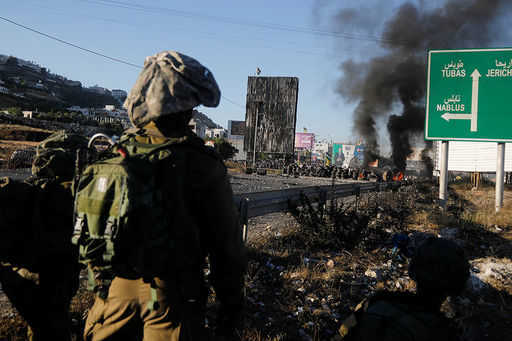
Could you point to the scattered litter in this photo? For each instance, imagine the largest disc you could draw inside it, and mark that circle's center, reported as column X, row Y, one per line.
column 491, row 271
column 370, row 273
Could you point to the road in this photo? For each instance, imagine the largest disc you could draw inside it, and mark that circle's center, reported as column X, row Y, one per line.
column 241, row 183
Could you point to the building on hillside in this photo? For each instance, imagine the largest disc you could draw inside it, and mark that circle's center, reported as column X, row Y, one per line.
column 216, row 133
column 72, row 83
column 4, row 90
column 197, row 127
column 27, row 114
column 16, row 79
column 121, row 113
column 99, row 90
column 29, row 65
column 110, row 107
column 40, row 86
column 83, row 111
column 119, row 94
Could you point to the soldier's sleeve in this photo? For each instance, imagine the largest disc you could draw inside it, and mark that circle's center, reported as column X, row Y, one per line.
column 222, row 234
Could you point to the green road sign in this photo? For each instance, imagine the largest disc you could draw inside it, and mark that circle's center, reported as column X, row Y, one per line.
column 469, row 95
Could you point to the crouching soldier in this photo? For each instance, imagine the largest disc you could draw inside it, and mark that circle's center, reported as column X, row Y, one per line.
column 38, row 264
column 440, row 270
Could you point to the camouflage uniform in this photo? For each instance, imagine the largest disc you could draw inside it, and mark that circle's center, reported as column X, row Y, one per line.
column 394, row 316
column 42, row 291
column 440, row 270
column 39, row 268
column 206, row 210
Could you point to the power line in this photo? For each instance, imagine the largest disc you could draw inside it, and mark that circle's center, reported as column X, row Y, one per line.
column 232, row 102
column 266, row 25
column 70, row 44
column 210, row 35
column 90, row 51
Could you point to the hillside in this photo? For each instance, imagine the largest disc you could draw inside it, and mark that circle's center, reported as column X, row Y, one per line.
column 29, row 86
column 202, row 118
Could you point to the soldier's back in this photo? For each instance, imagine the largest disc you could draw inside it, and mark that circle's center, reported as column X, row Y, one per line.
column 396, row 317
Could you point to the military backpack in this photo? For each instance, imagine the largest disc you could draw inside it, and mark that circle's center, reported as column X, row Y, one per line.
column 122, row 212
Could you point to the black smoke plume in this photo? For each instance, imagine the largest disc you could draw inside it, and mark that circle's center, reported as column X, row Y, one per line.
column 396, row 82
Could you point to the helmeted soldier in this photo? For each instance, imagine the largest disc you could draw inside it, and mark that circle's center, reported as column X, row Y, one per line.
column 160, row 106
column 440, row 269
column 38, row 263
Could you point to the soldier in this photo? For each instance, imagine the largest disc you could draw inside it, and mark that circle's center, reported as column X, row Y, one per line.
column 440, row 270
column 38, row 264
column 160, row 107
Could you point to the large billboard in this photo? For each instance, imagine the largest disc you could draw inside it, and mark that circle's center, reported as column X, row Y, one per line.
column 271, row 112
column 347, row 155
column 304, row 141
column 337, row 154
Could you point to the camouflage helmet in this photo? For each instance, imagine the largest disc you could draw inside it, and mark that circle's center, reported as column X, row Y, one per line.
column 439, row 265
column 56, row 155
column 170, row 83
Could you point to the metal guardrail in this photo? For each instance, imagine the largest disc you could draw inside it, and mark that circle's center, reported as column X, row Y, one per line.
column 261, row 203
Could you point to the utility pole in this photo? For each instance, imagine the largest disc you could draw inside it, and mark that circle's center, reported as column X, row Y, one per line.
column 255, row 136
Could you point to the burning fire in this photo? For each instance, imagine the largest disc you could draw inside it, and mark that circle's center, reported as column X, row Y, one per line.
column 398, row 176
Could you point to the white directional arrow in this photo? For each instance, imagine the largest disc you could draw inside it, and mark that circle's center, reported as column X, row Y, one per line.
column 474, row 105
column 448, row 116
column 474, row 99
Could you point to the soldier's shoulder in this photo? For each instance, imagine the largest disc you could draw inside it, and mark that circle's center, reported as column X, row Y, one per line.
column 198, row 143
column 200, row 154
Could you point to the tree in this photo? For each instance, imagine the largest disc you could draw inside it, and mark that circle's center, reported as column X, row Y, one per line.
column 16, row 111
column 224, row 148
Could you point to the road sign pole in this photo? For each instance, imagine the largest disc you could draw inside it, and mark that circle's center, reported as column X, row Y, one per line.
column 500, row 172
column 443, row 181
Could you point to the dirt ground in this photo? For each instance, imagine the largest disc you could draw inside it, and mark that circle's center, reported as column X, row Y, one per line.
column 296, row 290
column 302, row 279
column 14, row 137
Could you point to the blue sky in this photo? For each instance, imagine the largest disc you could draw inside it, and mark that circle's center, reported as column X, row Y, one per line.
column 232, row 38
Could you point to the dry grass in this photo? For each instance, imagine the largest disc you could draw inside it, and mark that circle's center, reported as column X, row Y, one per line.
column 296, row 290
column 14, row 137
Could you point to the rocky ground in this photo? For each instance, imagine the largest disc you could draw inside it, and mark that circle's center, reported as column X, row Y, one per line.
column 306, row 274
column 301, row 284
